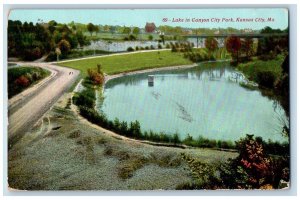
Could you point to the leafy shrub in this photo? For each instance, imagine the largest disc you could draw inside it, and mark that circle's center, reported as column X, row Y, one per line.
column 96, row 77
column 132, row 37
column 159, row 46
column 253, row 168
column 136, row 48
column 20, row 78
column 85, row 98
column 22, row 81
column 266, row 78
column 152, row 47
column 130, row 49
column 146, row 48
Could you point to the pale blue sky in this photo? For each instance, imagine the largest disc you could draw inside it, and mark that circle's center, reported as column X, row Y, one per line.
column 138, row 17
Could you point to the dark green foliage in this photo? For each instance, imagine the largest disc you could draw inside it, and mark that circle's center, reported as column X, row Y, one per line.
column 85, row 98
column 130, row 49
column 132, row 37
column 266, row 79
column 269, row 47
column 30, row 41
column 19, row 78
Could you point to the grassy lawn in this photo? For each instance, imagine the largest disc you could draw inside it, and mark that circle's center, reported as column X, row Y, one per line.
column 251, row 69
column 130, row 62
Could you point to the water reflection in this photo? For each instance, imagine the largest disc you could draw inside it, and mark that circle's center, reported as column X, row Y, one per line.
column 205, row 100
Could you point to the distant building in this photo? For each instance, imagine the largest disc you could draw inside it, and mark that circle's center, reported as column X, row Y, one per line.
column 150, row 27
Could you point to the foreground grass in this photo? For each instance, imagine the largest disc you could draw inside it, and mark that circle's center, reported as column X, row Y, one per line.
column 129, row 62
column 252, row 68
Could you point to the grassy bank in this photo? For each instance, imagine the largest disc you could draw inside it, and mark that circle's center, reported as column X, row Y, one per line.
column 256, row 69
column 20, row 78
column 129, row 62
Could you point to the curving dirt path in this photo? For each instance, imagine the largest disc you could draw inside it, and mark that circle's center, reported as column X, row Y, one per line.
column 28, row 109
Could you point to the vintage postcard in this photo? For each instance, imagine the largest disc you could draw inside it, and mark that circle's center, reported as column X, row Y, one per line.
column 148, row 99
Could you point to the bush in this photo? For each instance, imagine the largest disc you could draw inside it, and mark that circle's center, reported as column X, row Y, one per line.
column 159, row 46
column 96, row 77
column 146, row 48
column 152, row 47
column 174, row 49
column 85, row 98
column 132, row 37
column 266, row 78
column 253, row 168
column 136, row 48
column 22, row 81
column 130, row 49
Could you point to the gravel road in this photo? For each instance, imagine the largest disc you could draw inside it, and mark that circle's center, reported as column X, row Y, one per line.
column 30, row 108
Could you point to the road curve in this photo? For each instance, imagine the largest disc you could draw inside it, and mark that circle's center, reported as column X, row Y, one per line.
column 32, row 107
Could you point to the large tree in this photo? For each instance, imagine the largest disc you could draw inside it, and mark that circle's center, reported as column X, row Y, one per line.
column 247, row 47
column 211, row 44
column 136, row 30
column 233, row 46
column 90, row 27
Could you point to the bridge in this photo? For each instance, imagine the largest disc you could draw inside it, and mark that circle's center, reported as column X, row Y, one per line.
column 199, row 39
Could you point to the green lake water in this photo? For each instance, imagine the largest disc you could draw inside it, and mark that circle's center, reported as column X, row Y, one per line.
column 206, row 100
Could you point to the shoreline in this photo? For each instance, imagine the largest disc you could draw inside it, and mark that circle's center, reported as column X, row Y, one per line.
column 110, row 77
column 166, row 68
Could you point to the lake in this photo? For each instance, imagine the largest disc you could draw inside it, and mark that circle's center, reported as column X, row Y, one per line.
column 206, row 100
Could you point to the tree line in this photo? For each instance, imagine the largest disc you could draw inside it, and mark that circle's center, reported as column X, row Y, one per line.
column 30, row 41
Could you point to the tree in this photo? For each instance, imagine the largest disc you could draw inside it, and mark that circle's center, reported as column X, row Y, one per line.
column 136, row 30
column 95, row 77
column 162, row 37
column 126, row 30
column 247, row 47
column 211, row 44
column 96, row 29
column 64, row 46
column 90, row 27
column 150, row 37
column 82, row 40
column 150, row 27
column 233, row 45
